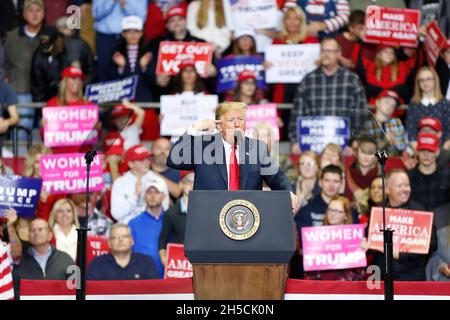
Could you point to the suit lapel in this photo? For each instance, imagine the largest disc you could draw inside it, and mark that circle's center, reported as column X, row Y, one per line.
column 222, row 166
column 243, row 161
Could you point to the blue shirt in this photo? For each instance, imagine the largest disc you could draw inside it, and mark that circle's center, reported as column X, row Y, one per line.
column 105, row 267
column 41, row 260
column 108, row 14
column 8, row 96
column 146, row 230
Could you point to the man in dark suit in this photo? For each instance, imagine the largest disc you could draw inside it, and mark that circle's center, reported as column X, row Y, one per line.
column 212, row 148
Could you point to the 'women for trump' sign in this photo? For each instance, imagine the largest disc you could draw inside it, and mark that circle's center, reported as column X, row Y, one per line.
column 66, row 173
column 333, row 247
column 70, row 126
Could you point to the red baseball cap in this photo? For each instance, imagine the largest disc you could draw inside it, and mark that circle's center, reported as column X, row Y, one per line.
column 72, row 72
column 137, row 152
column 246, row 74
column 175, row 11
column 389, row 94
column 427, row 141
column 186, row 63
column 431, row 122
column 121, row 110
column 113, row 144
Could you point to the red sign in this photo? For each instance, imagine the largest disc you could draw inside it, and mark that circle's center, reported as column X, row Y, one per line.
column 434, row 41
column 392, row 26
column 171, row 53
column 177, row 265
column 96, row 246
column 412, row 229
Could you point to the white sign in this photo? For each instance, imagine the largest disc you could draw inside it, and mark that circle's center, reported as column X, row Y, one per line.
column 182, row 110
column 250, row 14
column 290, row 63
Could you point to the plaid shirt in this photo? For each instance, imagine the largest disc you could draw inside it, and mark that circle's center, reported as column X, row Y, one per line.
column 338, row 95
column 432, row 190
column 393, row 125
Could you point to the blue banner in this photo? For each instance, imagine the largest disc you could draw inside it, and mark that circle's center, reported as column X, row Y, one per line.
column 114, row 90
column 19, row 193
column 229, row 69
column 314, row 133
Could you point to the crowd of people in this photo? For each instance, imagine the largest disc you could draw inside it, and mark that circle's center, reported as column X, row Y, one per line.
column 144, row 202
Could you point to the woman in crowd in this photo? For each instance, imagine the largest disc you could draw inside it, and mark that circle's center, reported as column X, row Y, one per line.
column 187, row 79
column 375, row 200
column 206, row 20
column 64, row 221
column 339, row 212
column 386, row 72
column 32, row 169
column 333, row 154
column 428, row 101
column 246, row 90
column 306, row 186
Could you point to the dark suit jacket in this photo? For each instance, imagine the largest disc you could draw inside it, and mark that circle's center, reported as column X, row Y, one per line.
column 206, row 156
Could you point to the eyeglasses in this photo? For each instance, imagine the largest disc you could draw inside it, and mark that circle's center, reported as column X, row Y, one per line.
column 119, row 236
column 368, row 152
column 426, row 79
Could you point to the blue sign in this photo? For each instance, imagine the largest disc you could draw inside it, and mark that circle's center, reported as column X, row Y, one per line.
column 19, row 193
column 229, row 69
column 114, row 90
column 314, row 133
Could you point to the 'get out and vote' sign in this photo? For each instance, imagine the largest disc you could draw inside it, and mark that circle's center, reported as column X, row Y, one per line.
column 412, row 229
column 70, row 126
column 171, row 53
column 66, row 173
column 333, row 247
column 392, row 26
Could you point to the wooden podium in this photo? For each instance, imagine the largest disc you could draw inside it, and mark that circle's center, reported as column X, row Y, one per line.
column 247, row 269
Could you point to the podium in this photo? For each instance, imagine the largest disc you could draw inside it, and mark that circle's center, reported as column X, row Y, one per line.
column 239, row 244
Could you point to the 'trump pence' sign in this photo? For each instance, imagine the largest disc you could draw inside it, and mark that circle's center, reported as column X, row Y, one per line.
column 392, row 26
column 333, row 247
column 19, row 193
column 66, row 173
column 70, row 126
column 171, row 53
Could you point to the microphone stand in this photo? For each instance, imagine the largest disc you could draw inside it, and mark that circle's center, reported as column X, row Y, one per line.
column 387, row 234
column 82, row 234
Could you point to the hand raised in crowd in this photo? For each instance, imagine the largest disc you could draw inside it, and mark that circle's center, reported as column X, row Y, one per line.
column 119, row 60
column 211, row 70
column 295, row 149
column 267, row 65
column 11, row 216
column 145, row 60
column 206, row 125
column 44, row 195
column 295, row 203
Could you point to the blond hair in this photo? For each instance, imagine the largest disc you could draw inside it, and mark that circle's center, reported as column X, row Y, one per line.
column 300, row 14
column 313, row 156
column 418, row 94
column 57, row 206
column 334, row 148
column 379, row 67
column 202, row 15
column 37, row 149
column 224, row 107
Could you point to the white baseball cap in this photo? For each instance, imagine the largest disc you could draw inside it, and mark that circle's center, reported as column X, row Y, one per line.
column 132, row 23
column 161, row 186
column 244, row 32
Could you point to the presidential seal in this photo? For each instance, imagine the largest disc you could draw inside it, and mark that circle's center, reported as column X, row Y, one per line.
column 239, row 219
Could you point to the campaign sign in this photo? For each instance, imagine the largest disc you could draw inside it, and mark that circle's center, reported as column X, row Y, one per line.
column 412, row 229
column 333, row 247
column 19, row 193
column 171, row 53
column 290, row 63
column 182, row 110
column 70, row 126
column 230, row 67
column 66, row 173
column 392, row 26
column 434, row 41
column 96, row 246
column 114, row 90
column 177, row 265
column 261, row 14
column 314, row 133
column 262, row 114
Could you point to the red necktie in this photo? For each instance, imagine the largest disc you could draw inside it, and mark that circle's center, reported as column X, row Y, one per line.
column 234, row 170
